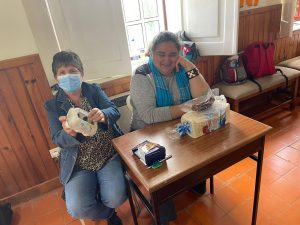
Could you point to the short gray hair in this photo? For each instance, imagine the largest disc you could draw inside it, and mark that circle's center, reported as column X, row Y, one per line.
column 66, row 58
column 164, row 36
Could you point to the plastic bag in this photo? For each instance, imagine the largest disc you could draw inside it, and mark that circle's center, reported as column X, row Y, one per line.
column 78, row 120
column 200, row 103
column 188, row 48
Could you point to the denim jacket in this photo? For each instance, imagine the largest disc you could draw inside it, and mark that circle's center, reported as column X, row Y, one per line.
column 59, row 106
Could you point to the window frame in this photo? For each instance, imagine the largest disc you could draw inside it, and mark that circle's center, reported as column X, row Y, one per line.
column 160, row 18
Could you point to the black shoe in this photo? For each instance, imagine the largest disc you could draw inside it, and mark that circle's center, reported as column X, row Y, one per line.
column 114, row 220
column 200, row 188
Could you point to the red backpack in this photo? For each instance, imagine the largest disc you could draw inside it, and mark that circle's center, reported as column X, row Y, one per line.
column 259, row 59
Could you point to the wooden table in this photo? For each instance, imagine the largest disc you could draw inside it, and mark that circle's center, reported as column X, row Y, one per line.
column 193, row 159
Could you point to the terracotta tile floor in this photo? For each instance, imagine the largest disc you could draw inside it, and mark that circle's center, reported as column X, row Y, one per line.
column 232, row 202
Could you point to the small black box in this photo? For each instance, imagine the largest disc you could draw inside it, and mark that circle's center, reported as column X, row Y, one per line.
column 149, row 152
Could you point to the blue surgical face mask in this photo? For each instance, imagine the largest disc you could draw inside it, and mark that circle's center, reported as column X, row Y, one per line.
column 70, row 82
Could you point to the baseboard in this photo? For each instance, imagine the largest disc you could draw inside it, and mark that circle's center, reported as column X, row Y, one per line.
column 33, row 192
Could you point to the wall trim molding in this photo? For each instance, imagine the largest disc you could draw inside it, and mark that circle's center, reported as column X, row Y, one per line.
column 260, row 10
column 18, row 61
column 116, row 86
column 33, row 192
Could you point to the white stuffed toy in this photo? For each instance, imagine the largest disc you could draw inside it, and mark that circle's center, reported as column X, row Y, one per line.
column 77, row 119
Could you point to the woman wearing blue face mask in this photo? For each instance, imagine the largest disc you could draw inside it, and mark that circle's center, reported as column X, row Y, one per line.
column 90, row 169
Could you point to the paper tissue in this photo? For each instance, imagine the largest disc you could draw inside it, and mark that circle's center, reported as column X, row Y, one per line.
column 213, row 118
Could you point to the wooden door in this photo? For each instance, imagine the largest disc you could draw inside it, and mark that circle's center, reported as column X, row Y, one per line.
column 24, row 135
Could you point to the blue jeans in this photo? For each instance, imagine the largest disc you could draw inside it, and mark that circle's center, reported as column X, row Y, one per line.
column 83, row 187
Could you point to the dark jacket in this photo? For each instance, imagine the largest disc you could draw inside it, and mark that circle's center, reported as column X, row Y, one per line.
column 59, row 106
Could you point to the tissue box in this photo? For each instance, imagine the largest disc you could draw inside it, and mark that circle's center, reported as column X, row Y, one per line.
column 204, row 122
column 149, row 152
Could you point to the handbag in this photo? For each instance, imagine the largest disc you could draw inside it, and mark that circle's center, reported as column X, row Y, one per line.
column 188, row 48
column 232, row 71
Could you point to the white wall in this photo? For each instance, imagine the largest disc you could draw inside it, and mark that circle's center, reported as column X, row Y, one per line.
column 26, row 29
column 40, row 24
column 92, row 28
column 16, row 38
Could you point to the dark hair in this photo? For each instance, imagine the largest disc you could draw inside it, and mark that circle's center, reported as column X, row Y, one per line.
column 66, row 58
column 164, row 36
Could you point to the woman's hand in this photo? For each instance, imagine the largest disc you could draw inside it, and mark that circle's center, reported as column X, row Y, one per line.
column 185, row 63
column 97, row 116
column 67, row 129
column 186, row 106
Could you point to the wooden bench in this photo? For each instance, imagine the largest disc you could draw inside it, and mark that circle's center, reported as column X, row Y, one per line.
column 236, row 94
column 293, row 63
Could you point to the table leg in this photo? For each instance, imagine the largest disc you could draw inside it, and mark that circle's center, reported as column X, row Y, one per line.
column 155, row 206
column 257, row 186
column 132, row 207
column 211, row 184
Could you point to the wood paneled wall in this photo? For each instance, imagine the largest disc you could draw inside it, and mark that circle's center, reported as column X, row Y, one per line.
column 116, row 86
column 261, row 24
column 24, row 137
column 287, row 48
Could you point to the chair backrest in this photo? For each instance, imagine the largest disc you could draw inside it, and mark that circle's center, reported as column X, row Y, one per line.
column 129, row 106
column 126, row 113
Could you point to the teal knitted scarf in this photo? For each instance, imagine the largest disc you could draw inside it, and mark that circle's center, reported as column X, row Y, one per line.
column 163, row 94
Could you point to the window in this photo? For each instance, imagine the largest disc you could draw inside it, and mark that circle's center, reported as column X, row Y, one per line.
column 287, row 18
column 296, row 25
column 143, row 20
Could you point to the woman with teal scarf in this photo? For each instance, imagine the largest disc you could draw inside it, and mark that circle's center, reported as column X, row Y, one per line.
column 160, row 88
